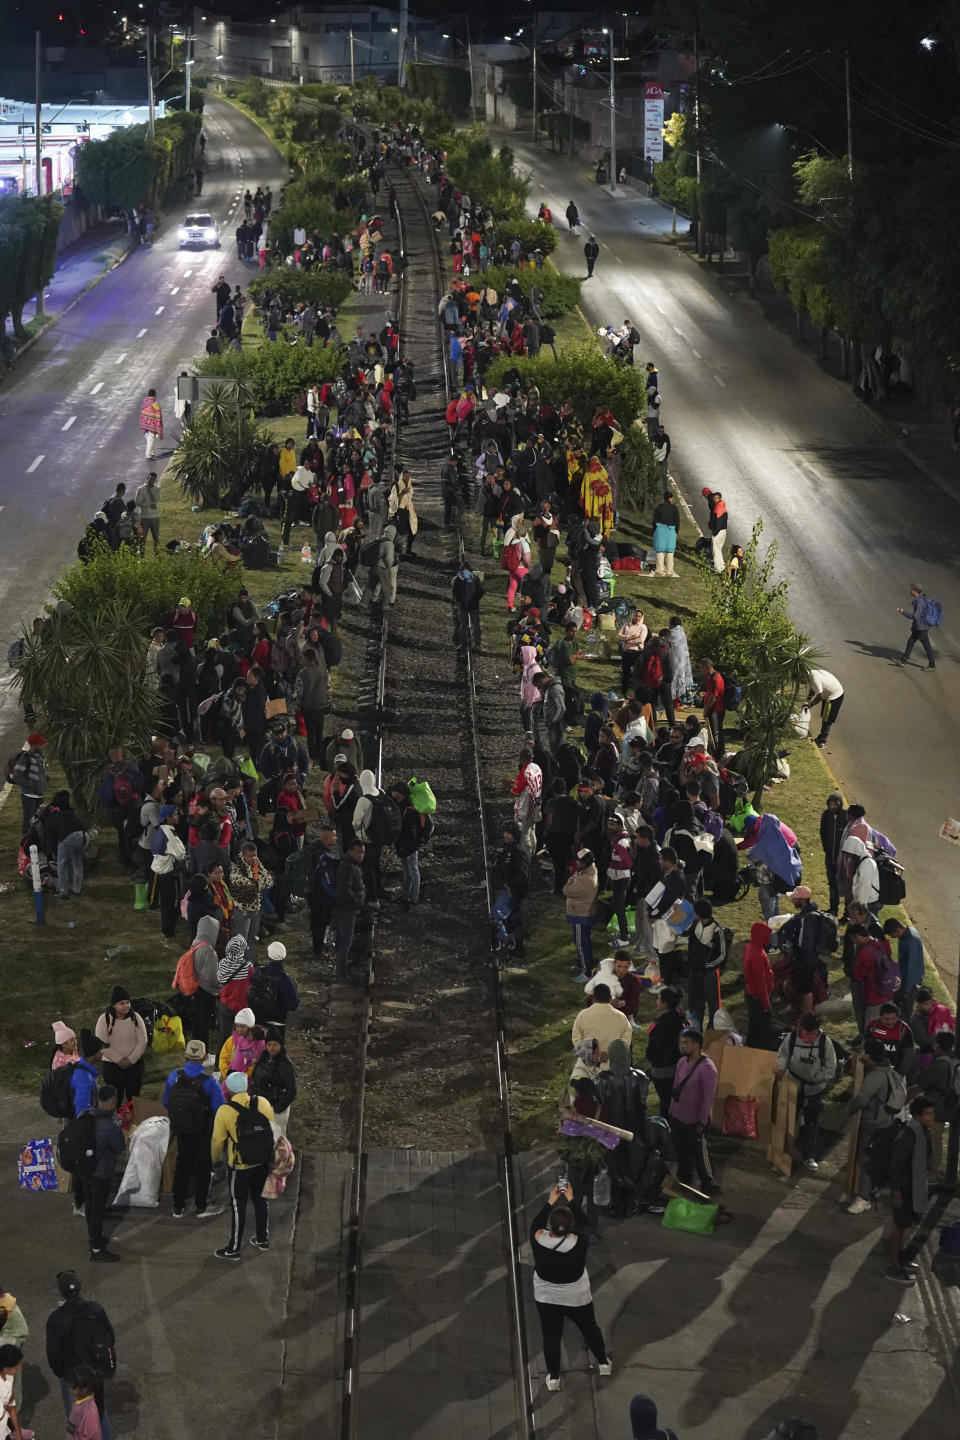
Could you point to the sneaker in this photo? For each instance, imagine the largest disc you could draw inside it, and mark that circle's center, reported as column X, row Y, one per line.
column 607, row 1367
column 178, row 1212
column 580, row 979
column 859, row 1206
column 225, row 1253
column 553, row 1382
column 79, row 1210
column 910, row 1265
column 210, row 1211
column 260, row 1244
column 900, row 1275
column 619, row 944
column 103, row 1256
column 812, row 1164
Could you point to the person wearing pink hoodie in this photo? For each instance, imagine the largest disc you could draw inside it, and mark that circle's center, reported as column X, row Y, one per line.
column 758, row 984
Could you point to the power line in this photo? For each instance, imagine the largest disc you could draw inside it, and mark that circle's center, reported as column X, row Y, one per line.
column 888, row 116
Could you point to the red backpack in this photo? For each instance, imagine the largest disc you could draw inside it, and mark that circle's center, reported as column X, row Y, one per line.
column 185, row 976
column 652, row 673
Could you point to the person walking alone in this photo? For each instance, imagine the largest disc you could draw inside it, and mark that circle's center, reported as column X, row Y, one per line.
column 591, row 250
column 151, row 422
column 919, row 627
column 561, row 1285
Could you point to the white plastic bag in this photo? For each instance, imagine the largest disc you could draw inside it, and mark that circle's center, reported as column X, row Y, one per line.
column 140, row 1186
column 801, row 722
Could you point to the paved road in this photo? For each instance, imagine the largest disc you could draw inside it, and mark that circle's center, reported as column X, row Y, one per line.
column 751, row 415
column 69, row 413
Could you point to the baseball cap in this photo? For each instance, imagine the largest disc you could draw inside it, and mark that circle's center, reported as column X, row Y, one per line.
column 36, row 739
column 195, row 1050
column 800, row 892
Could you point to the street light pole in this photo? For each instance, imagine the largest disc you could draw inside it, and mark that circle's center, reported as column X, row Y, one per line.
column 402, row 40
column 846, row 71
column 188, row 41
column 352, row 71
column 150, row 100
column 534, row 77
column 473, row 106
column 41, row 308
column 613, row 114
column 696, row 131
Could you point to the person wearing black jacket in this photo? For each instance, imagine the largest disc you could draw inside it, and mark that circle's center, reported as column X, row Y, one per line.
column 676, row 887
column 561, row 1286
column 66, row 839
column 274, row 1078
column 706, row 952
column 910, row 1164
column 64, row 1345
column 466, row 592
column 833, row 822
column 663, row 1046
column 590, row 251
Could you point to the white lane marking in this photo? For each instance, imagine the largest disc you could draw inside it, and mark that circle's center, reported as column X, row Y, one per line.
column 97, row 388
column 36, row 464
column 141, row 333
column 720, row 382
column 175, row 290
column 678, row 331
column 604, row 244
column 619, row 261
column 659, row 307
column 696, row 352
column 70, row 422
column 120, row 358
column 159, row 310
column 187, row 274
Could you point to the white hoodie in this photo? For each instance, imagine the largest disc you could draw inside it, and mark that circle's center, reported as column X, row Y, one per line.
column 866, row 879
column 363, row 814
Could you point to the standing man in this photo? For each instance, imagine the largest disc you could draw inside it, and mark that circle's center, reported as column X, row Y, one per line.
column 320, row 863
column 108, row 1143
column 467, row 594
column 151, row 422
column 248, row 1141
column 808, row 1056
column 148, row 507
column 833, row 822
column 591, row 250
column 717, row 524
column 351, row 897
column 909, row 962
column 826, row 691
column 74, row 1322
column 919, row 627
column 30, row 776
column 691, row 1102
column 222, row 291
column 713, row 703
column 566, row 667
column 909, row 1171
column 661, row 453
column 191, row 1099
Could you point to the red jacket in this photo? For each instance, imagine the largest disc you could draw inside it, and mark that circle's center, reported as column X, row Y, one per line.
column 865, row 971
column 757, row 974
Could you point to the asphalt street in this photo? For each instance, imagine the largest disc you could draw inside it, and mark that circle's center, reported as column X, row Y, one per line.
column 69, row 413
column 750, row 414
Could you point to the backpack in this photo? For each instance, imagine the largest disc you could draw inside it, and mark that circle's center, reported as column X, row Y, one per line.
column 254, row 1134
column 422, row 797
column 510, row 556
column 279, row 657
column 887, row 973
column 326, row 876
column 732, row 692
column 370, row 553
column 149, row 1013
column 878, row 1154
column 188, row 1106
column 263, row 993
column 124, row 791
column 550, row 658
column 15, row 652
column 76, row 1146
column 385, row 819
column 56, row 1093
column 185, row 980
column 829, row 936
column 651, row 675
column 933, row 612
column 893, row 887
column 267, row 795
column 842, row 1056
column 427, row 828
column 90, row 1344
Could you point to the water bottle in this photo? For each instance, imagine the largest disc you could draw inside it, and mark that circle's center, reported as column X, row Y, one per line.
column 281, row 553
column 601, row 1188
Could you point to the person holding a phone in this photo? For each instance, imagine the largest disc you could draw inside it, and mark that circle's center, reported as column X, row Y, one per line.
column 561, row 1285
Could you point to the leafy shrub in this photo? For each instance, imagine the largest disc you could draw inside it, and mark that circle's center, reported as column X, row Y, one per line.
column 530, row 233
column 217, row 458
column 561, row 293
column 582, row 376
column 326, row 93
column 147, row 590
column 254, row 95
column 276, row 374
column 301, row 287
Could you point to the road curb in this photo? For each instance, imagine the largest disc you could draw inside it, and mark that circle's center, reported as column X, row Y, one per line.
column 55, row 318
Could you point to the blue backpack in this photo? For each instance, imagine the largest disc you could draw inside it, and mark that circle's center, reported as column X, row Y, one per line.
column 933, row 613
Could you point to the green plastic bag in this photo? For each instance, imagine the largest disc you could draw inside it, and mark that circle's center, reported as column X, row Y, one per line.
column 613, row 925
column 248, row 768
column 422, row 797
column 684, row 1214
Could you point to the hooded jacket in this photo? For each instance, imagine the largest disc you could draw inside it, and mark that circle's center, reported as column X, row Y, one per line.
column 205, row 958
column 581, row 892
column 706, row 946
column 643, row 1420
column 865, row 877
column 363, row 813
column 757, row 972
column 811, row 1062
column 832, row 825
column 773, row 844
column 274, row 1078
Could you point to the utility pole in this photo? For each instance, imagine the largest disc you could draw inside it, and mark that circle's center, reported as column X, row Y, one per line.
column 402, row 40
column 188, row 43
column 696, row 131
column 846, row 71
column 613, row 112
column 41, row 308
column 473, row 105
column 353, row 79
column 534, row 77
column 150, row 100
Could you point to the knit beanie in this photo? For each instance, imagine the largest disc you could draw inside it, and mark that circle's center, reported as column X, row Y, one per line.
column 62, row 1033
column 237, row 1082
column 119, row 994
column 90, row 1045
column 273, row 1035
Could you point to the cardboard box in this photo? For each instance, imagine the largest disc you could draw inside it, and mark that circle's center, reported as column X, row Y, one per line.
column 745, row 1073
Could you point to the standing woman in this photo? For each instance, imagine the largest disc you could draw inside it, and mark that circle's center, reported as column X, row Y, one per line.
column 402, row 511
column 561, row 1285
column 632, row 637
column 125, row 1039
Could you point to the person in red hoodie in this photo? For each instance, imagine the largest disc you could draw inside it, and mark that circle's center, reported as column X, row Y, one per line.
column 758, row 983
column 875, row 970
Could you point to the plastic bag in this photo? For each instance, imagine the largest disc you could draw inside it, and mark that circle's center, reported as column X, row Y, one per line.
column 688, row 1215
column 280, row 1167
column 140, row 1186
column 801, row 722
column 740, row 1117
column 168, row 1034
column 35, row 1167
column 422, row 797
column 601, row 1188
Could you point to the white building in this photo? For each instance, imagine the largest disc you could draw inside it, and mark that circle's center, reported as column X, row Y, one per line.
column 65, row 129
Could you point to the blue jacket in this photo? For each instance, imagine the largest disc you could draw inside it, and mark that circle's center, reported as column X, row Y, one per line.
column 769, row 846
column 910, row 959
column 801, row 936
column 211, row 1089
column 83, row 1082
column 108, row 1143
column 919, row 612
column 277, row 757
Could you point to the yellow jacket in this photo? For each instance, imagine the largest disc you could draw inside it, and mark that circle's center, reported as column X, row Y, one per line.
column 225, row 1129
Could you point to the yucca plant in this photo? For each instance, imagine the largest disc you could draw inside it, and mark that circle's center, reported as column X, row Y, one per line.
column 218, row 455
column 771, row 697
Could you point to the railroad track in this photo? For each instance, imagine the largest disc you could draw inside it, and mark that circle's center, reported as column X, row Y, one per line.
column 432, row 1190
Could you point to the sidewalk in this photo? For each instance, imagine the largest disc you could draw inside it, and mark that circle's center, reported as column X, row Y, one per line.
column 79, row 267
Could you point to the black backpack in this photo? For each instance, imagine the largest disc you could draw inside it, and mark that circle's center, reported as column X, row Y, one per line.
column 267, row 795
column 149, row 1012
column 254, row 1134
column 385, row 819
column 262, row 995
column 90, row 1343
column 56, row 1093
column 878, row 1153
column 77, row 1147
column 188, row 1106
column 893, row 887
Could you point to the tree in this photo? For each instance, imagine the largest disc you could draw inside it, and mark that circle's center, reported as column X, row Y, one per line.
column 218, row 456
column 29, row 230
column 749, row 221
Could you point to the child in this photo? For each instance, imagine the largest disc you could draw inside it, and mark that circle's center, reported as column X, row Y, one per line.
column 67, row 1051
column 11, row 1358
column 87, row 1410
